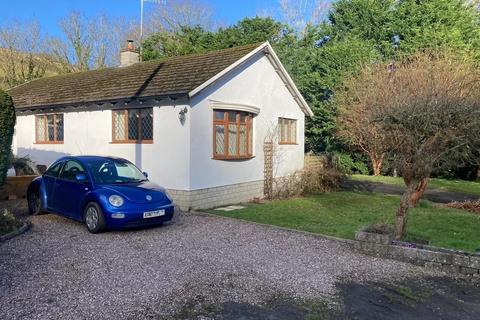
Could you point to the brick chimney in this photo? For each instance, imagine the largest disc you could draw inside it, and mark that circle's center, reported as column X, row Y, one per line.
column 129, row 55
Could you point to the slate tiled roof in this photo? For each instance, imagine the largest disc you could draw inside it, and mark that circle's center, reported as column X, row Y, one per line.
column 177, row 75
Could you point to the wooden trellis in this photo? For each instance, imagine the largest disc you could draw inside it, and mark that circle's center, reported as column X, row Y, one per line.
column 268, row 170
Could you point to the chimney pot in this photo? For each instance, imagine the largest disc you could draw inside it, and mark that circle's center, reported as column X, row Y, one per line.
column 130, row 45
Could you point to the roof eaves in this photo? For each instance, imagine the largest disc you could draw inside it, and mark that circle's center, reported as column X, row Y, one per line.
column 100, row 102
column 297, row 95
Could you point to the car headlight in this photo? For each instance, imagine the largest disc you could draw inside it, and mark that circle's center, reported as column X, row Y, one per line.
column 115, row 200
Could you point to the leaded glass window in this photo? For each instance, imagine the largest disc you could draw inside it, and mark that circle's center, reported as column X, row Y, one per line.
column 132, row 125
column 49, row 128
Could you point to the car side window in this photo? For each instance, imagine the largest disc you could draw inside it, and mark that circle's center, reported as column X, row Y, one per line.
column 54, row 170
column 71, row 169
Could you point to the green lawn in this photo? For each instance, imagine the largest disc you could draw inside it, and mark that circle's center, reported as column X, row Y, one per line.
column 341, row 214
column 469, row 187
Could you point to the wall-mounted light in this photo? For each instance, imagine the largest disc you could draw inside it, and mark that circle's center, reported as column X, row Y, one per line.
column 182, row 115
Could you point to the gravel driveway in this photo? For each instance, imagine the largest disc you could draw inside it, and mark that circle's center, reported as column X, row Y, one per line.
column 57, row 270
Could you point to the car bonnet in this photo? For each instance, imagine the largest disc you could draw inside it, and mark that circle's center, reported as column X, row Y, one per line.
column 142, row 192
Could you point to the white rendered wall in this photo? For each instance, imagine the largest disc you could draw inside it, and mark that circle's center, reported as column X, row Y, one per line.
column 255, row 83
column 90, row 133
column 181, row 156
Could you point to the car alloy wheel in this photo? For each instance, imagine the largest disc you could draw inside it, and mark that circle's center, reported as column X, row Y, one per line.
column 93, row 217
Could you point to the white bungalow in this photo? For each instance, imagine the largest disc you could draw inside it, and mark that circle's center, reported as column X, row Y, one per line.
column 197, row 123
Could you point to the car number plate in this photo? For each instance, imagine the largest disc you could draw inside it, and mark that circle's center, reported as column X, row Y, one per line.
column 153, row 214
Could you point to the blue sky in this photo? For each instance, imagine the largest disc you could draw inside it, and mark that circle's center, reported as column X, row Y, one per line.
column 48, row 12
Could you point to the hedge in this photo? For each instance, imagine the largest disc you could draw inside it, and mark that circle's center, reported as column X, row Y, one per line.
column 7, row 125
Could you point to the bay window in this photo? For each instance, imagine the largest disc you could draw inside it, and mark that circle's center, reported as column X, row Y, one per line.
column 232, row 134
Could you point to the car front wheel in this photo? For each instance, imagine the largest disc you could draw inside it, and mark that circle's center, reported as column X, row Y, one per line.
column 94, row 219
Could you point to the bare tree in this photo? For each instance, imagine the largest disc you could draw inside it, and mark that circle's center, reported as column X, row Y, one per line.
column 357, row 123
column 110, row 35
column 75, row 52
column 428, row 112
column 171, row 16
column 21, row 60
column 88, row 43
column 474, row 3
column 299, row 14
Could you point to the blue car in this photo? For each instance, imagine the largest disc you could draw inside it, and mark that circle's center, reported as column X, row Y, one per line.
column 103, row 192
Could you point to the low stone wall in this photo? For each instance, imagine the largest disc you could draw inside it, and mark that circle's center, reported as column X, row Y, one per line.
column 450, row 261
column 15, row 187
column 217, row 196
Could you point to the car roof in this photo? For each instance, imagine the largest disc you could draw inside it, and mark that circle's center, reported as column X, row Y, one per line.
column 91, row 157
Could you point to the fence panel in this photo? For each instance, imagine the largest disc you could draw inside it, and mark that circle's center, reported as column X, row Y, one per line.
column 315, row 161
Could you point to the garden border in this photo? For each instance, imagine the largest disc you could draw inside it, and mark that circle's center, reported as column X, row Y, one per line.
column 25, row 226
column 446, row 260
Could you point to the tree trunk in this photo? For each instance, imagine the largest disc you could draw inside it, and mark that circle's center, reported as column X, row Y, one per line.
column 418, row 191
column 377, row 164
column 478, row 174
column 402, row 215
column 410, row 198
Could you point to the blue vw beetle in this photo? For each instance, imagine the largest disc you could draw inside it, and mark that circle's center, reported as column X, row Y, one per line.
column 103, row 192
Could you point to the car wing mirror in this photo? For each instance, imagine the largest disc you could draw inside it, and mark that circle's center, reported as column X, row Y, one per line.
column 145, row 174
column 80, row 177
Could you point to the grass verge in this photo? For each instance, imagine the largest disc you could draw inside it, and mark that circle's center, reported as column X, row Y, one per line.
column 341, row 214
column 463, row 186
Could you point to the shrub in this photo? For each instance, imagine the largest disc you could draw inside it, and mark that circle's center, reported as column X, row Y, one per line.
column 380, row 228
column 7, row 124
column 311, row 180
column 325, row 179
column 23, row 166
column 287, row 187
column 8, row 223
column 347, row 165
column 360, row 168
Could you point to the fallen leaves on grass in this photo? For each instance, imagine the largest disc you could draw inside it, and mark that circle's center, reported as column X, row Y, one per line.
column 471, row 206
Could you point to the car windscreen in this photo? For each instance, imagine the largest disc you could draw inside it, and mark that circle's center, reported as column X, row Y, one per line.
column 110, row 171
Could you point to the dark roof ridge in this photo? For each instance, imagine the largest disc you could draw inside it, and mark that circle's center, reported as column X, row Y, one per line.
column 194, row 54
